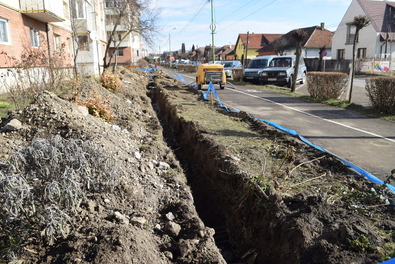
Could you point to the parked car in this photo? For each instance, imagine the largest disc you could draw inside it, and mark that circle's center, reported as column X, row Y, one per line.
column 230, row 65
column 254, row 68
column 281, row 70
column 210, row 72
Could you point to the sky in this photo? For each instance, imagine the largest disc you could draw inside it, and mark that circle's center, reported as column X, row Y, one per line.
column 188, row 21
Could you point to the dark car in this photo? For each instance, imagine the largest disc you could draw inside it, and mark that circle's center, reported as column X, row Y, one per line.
column 254, row 68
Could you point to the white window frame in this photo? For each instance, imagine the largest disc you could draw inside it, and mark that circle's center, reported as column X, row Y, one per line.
column 35, row 38
column 57, row 42
column 351, row 32
column 5, row 31
column 79, row 9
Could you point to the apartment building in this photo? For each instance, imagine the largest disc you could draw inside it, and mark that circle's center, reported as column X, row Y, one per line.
column 40, row 27
column 88, row 26
column 126, row 46
column 70, row 32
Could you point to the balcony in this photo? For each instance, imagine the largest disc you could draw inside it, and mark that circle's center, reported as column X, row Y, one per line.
column 43, row 10
column 120, row 28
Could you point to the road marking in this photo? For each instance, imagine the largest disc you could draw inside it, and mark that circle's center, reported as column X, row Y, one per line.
column 318, row 117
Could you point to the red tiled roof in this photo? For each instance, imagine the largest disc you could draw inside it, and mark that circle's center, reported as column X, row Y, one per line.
column 257, row 41
column 316, row 37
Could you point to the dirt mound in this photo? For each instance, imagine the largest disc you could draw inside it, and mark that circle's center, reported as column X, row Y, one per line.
column 148, row 214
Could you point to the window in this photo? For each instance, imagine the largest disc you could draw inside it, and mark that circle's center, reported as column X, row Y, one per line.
column 118, row 53
column 340, row 54
column 57, row 42
column 350, row 33
column 361, row 53
column 83, row 42
column 4, row 32
column 70, row 45
column 79, row 9
column 35, row 38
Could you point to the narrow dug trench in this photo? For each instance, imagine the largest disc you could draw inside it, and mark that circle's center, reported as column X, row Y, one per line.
column 255, row 223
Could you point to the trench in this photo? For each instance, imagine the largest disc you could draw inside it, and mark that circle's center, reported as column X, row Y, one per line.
column 250, row 226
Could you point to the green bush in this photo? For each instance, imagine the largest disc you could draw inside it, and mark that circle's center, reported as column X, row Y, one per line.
column 326, row 85
column 381, row 92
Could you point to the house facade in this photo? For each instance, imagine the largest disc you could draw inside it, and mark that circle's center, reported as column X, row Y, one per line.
column 376, row 41
column 317, row 39
column 247, row 45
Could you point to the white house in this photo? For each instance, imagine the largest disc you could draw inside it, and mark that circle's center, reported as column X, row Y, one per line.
column 376, row 41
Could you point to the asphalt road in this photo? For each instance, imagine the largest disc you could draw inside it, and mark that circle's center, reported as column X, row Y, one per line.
column 368, row 143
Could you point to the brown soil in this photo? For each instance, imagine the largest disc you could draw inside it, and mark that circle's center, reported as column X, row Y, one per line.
column 253, row 223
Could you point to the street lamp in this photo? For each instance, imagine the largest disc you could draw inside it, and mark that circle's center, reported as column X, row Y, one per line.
column 170, row 47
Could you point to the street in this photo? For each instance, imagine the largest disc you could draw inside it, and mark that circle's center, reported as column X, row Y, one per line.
column 368, row 143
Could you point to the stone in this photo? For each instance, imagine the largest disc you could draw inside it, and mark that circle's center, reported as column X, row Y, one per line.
column 121, row 218
column 173, row 229
column 163, row 166
column 13, row 125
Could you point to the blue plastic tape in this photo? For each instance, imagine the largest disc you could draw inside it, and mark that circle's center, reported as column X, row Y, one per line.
column 364, row 173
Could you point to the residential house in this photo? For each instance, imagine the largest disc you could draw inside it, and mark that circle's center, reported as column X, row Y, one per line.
column 126, row 45
column 40, row 27
column 247, row 45
column 226, row 53
column 317, row 39
column 88, row 24
column 376, row 41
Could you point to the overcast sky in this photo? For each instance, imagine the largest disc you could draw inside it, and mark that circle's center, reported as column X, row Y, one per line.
column 192, row 19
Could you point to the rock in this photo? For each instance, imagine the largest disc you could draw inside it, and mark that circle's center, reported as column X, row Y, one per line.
column 163, row 166
column 136, row 155
column 168, row 254
column 170, row 216
column 173, row 229
column 121, row 218
column 83, row 110
column 138, row 220
column 13, row 125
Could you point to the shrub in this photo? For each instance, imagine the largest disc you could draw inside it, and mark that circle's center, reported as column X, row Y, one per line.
column 237, row 74
column 110, row 80
column 42, row 185
column 326, row 85
column 381, row 92
column 97, row 107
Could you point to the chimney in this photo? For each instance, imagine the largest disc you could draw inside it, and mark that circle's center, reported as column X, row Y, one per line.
column 322, row 25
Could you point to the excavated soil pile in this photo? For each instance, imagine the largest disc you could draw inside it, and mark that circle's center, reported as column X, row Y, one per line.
column 135, row 174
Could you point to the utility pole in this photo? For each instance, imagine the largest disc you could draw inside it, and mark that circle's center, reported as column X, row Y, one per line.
column 212, row 27
column 170, row 47
column 246, row 50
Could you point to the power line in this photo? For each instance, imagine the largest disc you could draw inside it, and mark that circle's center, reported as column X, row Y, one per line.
column 194, row 16
column 256, row 11
column 236, row 11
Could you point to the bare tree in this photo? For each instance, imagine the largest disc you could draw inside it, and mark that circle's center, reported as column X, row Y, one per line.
column 279, row 45
column 359, row 23
column 134, row 17
column 299, row 35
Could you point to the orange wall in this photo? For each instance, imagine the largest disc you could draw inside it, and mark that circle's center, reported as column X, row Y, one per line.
column 19, row 26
